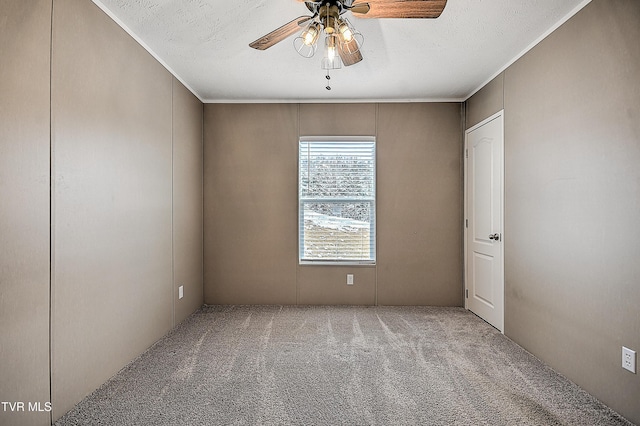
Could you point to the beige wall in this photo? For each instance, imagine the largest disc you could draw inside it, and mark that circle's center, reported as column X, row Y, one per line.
column 24, row 207
column 251, row 155
column 420, row 204
column 250, row 224
column 486, row 102
column 127, row 206
column 187, row 202
column 572, row 182
column 126, row 200
column 111, row 137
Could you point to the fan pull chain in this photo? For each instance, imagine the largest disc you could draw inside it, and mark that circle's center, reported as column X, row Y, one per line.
column 328, row 77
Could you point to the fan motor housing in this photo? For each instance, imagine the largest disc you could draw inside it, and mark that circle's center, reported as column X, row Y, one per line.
column 329, row 14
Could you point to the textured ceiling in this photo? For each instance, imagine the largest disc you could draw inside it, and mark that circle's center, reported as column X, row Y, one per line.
column 205, row 44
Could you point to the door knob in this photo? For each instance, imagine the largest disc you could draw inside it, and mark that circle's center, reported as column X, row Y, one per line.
column 495, row 237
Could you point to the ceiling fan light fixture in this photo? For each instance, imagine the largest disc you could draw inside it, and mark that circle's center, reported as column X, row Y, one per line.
column 331, row 60
column 331, row 64
column 311, row 33
column 305, row 50
column 350, row 38
column 306, row 44
column 331, row 44
column 345, row 31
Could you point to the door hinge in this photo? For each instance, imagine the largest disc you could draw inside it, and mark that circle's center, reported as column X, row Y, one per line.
column 466, row 291
column 466, row 223
column 466, row 153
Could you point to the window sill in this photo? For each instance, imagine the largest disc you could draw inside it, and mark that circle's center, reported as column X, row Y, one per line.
column 335, row 263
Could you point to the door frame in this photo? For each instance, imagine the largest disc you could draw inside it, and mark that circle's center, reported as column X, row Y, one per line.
column 466, row 210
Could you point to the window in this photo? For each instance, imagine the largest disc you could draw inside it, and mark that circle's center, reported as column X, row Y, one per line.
column 337, row 203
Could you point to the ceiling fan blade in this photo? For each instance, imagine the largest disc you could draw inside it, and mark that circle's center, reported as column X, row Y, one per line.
column 349, row 58
column 404, row 9
column 360, row 8
column 279, row 34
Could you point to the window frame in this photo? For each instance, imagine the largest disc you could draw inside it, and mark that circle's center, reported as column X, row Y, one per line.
column 373, row 226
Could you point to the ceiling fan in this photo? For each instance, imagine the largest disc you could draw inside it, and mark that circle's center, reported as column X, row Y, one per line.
column 341, row 37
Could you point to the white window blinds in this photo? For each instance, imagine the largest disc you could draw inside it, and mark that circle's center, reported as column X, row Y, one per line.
column 337, row 205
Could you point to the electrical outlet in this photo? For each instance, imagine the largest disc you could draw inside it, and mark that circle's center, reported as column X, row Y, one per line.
column 349, row 279
column 180, row 292
column 629, row 359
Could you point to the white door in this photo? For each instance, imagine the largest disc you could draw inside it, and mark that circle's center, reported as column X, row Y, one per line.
column 484, row 254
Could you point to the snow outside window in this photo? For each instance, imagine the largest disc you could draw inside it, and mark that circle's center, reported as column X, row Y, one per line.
column 337, row 200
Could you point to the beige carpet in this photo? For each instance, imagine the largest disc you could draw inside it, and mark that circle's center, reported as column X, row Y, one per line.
column 286, row 365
